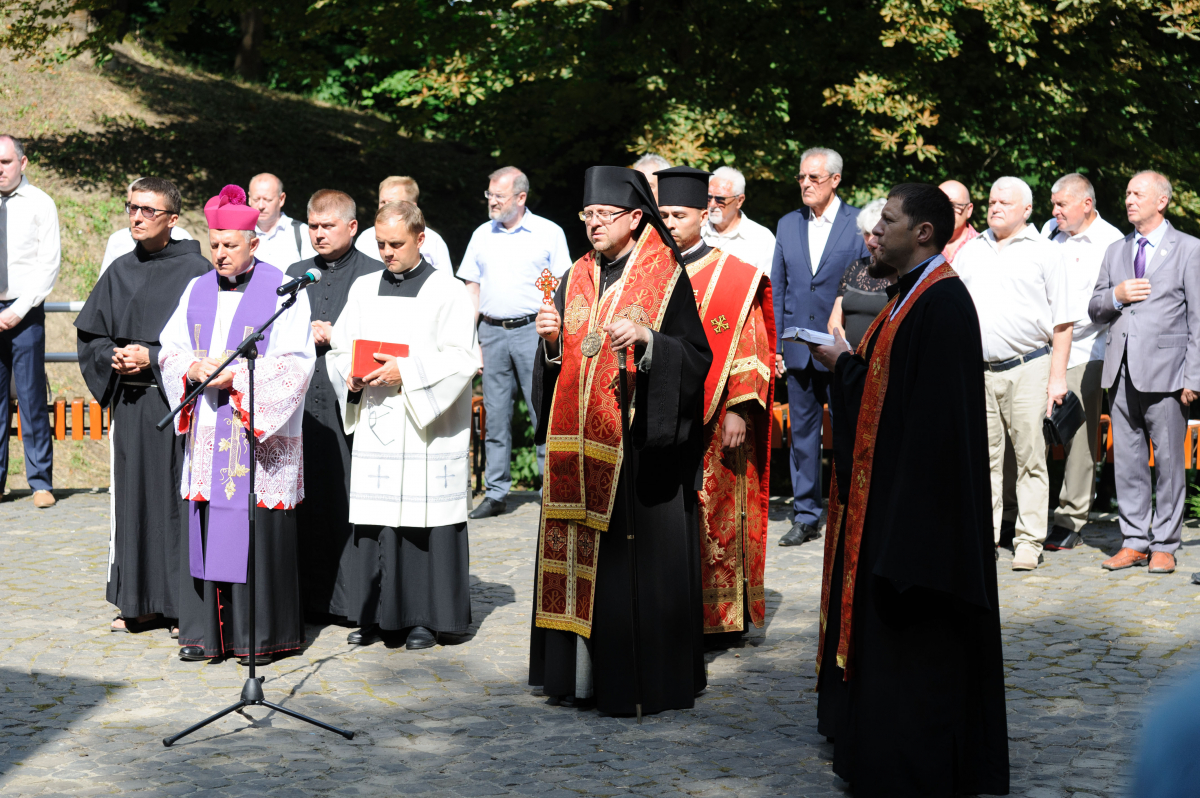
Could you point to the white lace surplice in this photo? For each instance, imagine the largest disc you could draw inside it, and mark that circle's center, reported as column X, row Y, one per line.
column 281, row 377
column 410, row 465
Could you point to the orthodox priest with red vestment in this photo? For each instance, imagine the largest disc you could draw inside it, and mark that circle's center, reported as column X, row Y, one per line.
column 910, row 663
column 630, row 293
column 734, row 301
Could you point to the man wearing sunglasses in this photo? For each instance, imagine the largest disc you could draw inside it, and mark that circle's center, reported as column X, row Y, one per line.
column 814, row 245
column 729, row 229
column 122, row 241
column 29, row 258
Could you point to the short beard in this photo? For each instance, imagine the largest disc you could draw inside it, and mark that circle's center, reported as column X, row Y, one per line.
column 716, row 216
column 880, row 271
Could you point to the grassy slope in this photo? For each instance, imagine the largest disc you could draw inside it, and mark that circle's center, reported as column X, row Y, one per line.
column 89, row 131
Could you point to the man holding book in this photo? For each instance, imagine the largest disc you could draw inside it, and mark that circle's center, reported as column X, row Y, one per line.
column 402, row 362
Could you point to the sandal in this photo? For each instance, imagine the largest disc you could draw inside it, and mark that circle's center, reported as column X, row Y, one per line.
column 131, row 624
column 174, row 632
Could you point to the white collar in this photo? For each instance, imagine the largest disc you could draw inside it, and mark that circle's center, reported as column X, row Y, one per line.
column 830, row 212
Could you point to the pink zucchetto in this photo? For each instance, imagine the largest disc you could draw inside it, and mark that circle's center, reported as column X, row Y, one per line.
column 229, row 211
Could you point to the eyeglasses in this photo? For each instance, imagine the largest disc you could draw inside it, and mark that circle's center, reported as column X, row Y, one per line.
column 959, row 207
column 146, row 211
column 604, row 217
column 497, row 197
column 721, row 200
column 816, row 180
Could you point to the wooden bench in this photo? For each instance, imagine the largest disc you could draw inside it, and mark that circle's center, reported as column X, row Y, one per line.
column 75, row 420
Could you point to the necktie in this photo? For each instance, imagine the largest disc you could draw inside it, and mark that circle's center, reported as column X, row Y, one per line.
column 3, row 244
column 1139, row 262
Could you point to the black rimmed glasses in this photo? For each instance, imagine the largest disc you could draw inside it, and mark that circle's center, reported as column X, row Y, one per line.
column 719, row 200
column 604, row 217
column 145, row 210
column 959, row 207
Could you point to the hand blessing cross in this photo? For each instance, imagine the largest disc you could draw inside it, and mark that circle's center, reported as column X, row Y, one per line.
column 547, row 282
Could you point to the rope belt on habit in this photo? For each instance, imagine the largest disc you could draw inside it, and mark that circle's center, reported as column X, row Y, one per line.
column 508, row 324
column 1005, row 365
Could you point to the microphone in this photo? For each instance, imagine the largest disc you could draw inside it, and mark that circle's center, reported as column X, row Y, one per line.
column 313, row 275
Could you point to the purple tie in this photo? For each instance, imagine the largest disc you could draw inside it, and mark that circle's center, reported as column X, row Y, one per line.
column 1139, row 261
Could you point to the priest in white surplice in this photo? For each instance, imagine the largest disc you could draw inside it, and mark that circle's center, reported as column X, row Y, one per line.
column 411, row 419
column 214, row 315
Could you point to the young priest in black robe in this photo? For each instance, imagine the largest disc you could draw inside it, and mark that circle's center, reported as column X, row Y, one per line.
column 629, row 293
column 911, row 678
column 118, row 331
column 327, row 551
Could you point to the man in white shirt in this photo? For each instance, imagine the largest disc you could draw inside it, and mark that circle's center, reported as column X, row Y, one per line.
column 398, row 188
column 728, row 228
column 1084, row 237
column 505, row 257
column 121, row 242
column 1026, row 317
column 281, row 240
column 29, row 259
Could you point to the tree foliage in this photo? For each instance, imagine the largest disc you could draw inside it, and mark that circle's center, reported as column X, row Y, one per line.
column 905, row 89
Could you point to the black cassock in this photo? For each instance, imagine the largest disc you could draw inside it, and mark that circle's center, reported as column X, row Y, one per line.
column 666, row 467
column 328, row 558
column 130, row 304
column 923, row 713
column 410, row 576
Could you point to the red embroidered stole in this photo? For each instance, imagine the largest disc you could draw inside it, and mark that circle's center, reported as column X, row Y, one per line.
column 855, row 511
column 734, row 301
column 583, row 443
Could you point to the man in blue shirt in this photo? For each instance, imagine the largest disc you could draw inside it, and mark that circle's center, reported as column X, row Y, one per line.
column 506, row 256
column 813, row 247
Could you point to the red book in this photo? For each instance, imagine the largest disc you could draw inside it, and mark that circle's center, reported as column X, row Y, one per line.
column 362, row 356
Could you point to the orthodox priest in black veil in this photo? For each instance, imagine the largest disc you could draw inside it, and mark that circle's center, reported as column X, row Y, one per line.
column 911, row 679
column 118, row 344
column 630, row 291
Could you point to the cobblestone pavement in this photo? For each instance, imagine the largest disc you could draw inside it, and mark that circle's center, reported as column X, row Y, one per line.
column 83, row 711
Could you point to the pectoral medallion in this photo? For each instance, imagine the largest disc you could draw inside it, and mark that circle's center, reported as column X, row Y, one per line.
column 591, row 344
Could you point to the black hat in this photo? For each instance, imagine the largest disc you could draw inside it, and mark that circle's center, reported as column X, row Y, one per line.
column 683, row 186
column 626, row 188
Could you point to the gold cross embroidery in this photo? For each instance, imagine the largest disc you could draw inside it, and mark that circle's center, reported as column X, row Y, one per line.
column 719, row 324
column 198, row 352
column 234, row 444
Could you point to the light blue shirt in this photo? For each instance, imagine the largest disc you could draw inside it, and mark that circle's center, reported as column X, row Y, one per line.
column 506, row 264
column 1154, row 238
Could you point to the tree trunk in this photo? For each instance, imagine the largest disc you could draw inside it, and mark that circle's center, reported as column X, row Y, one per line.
column 248, row 63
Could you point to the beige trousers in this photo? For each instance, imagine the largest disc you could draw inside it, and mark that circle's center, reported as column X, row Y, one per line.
column 1016, row 405
column 1079, row 478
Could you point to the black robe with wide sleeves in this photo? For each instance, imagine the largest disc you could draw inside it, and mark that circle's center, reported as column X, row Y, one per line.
column 666, row 469
column 130, row 305
column 923, row 713
column 328, row 557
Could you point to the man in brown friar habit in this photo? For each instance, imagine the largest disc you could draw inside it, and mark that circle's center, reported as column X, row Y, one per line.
column 910, row 669
column 734, row 301
column 630, row 291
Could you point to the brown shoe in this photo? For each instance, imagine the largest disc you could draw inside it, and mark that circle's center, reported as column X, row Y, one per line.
column 1162, row 562
column 1125, row 558
column 43, row 499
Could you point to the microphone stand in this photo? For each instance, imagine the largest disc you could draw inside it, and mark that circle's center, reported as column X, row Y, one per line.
column 252, row 692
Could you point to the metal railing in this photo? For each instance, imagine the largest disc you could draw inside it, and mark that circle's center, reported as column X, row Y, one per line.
column 62, row 307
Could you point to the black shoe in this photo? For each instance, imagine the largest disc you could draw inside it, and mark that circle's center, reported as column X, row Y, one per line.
column 799, row 533
column 419, row 637
column 259, row 659
column 192, row 654
column 577, row 703
column 1196, row 578
column 1062, row 539
column 364, row 636
column 487, row 508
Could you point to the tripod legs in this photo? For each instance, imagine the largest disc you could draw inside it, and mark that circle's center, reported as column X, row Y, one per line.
column 252, row 696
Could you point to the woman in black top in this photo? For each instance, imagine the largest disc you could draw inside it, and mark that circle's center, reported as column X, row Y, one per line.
column 860, row 296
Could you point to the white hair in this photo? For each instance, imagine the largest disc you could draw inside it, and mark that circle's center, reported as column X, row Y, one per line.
column 1015, row 184
column 520, row 184
column 868, row 217
column 1161, row 184
column 733, row 176
column 1076, row 185
column 249, row 235
column 833, row 161
column 651, row 161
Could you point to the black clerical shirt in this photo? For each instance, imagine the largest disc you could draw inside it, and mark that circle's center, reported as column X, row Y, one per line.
column 405, row 284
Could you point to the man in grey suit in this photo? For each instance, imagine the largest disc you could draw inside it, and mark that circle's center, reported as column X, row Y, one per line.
column 1149, row 292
